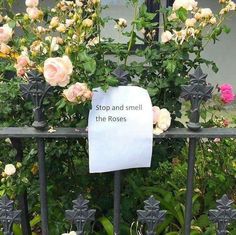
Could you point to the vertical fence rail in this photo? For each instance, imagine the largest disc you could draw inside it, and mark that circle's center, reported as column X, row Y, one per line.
column 43, row 186
column 117, row 196
column 196, row 92
column 17, row 144
column 36, row 90
column 190, row 183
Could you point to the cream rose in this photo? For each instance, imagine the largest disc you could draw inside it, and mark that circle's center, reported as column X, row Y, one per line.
column 5, row 33
column 77, row 92
column 166, row 36
column 54, row 22
column 31, row 3
column 156, row 111
column 186, row 4
column 5, row 49
column 10, row 169
column 163, row 121
column 87, row 23
column 57, row 71
column 206, row 13
column 34, row 13
column 190, row 22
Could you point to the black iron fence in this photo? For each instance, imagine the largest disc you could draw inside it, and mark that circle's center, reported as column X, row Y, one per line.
column 152, row 215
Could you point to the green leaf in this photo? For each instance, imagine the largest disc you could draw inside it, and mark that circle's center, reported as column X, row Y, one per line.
column 106, row 223
column 182, row 14
column 170, row 66
column 10, row 2
column 90, row 66
column 12, row 24
column 215, row 68
column 112, row 81
column 226, row 29
column 35, row 220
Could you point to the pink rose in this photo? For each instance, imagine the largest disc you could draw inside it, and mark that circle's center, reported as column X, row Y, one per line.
column 34, row 13
column 31, row 3
column 57, row 71
column 226, row 93
column 23, row 61
column 20, row 71
column 5, row 33
column 77, row 92
column 156, row 111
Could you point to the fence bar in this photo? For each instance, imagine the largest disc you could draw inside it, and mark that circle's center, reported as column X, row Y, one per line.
column 190, row 183
column 117, row 191
column 17, row 144
column 43, row 186
column 74, row 133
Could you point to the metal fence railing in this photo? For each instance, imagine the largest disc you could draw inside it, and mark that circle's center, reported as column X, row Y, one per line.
column 196, row 92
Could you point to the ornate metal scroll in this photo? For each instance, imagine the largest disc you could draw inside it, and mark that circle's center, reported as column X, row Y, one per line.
column 223, row 215
column 81, row 214
column 151, row 215
column 8, row 215
column 121, row 75
column 196, row 92
column 36, row 90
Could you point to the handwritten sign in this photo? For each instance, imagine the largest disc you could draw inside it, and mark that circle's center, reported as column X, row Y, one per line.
column 120, row 129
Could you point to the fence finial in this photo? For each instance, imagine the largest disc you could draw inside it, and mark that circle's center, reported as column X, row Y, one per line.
column 8, row 215
column 196, row 92
column 80, row 214
column 223, row 215
column 36, row 90
column 151, row 215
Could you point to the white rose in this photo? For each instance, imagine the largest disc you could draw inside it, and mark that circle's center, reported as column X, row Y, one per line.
column 186, row 4
column 72, row 233
column 206, row 13
column 10, row 169
column 190, row 22
column 166, row 36
column 164, row 119
column 31, row 3
column 5, row 33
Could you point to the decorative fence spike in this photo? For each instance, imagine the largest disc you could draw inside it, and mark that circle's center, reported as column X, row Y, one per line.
column 8, row 215
column 223, row 215
column 80, row 214
column 151, row 215
column 196, row 92
column 36, row 90
column 121, row 75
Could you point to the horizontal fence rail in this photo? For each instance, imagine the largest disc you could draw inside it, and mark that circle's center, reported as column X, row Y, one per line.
column 74, row 133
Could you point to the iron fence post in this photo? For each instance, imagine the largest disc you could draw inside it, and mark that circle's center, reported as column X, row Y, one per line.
column 36, row 90
column 196, row 92
column 117, row 185
column 23, row 199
